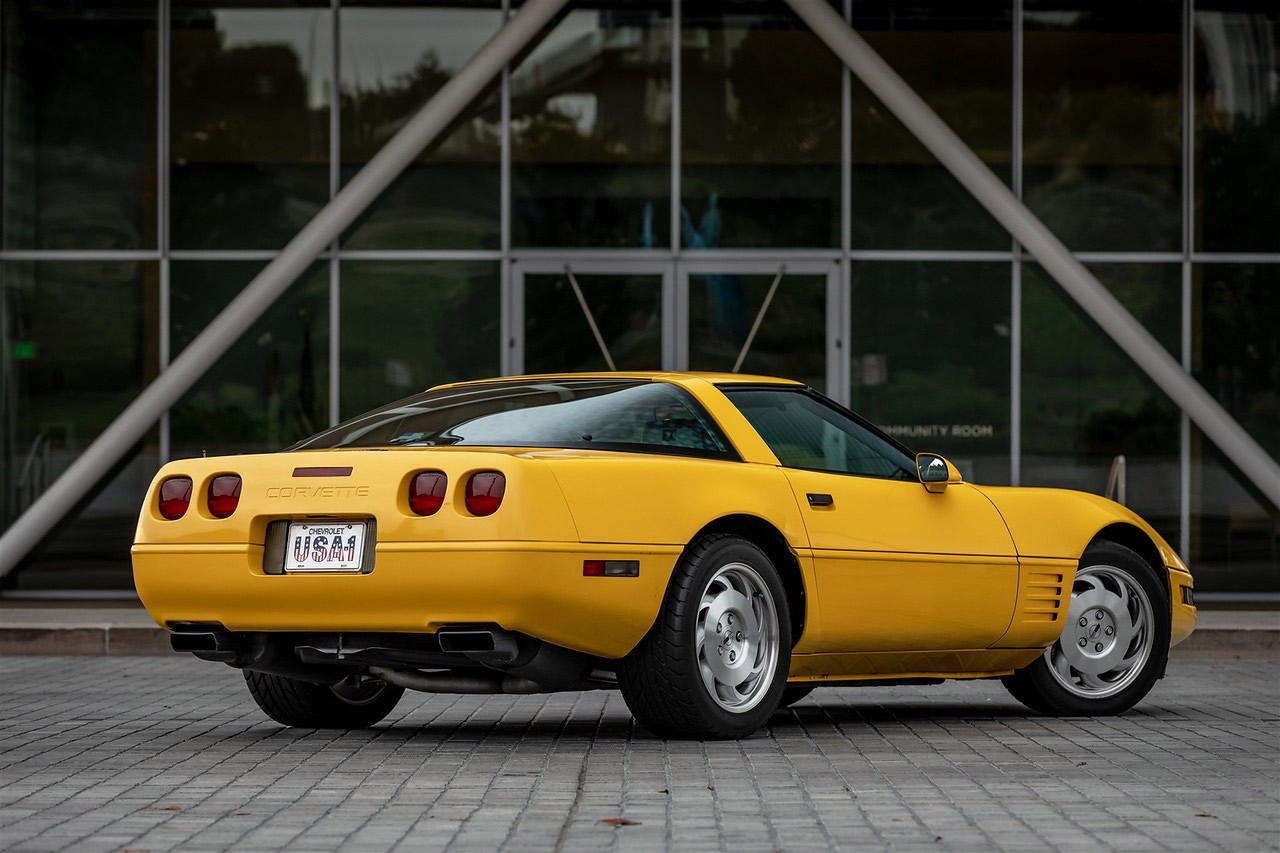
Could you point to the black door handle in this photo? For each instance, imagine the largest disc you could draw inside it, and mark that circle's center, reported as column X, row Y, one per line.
column 818, row 499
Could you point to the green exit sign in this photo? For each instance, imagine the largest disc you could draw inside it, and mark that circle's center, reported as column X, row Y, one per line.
column 24, row 350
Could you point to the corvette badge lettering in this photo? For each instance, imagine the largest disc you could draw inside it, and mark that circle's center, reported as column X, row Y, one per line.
column 318, row 492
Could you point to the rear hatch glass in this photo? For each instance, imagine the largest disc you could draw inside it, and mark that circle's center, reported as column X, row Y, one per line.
column 605, row 414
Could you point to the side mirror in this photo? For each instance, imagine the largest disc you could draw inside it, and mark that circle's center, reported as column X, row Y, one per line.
column 936, row 473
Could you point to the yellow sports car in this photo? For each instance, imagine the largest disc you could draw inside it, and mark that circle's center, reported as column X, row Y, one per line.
column 714, row 545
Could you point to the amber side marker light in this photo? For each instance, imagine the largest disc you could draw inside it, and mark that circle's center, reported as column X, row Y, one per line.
column 224, row 495
column 426, row 492
column 175, row 497
column 611, row 568
column 485, row 491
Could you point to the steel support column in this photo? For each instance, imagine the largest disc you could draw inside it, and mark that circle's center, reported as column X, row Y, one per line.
column 1112, row 317
column 322, row 231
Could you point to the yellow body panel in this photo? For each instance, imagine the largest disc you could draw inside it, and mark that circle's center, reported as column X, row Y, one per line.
column 902, row 568
column 522, row 586
column 1061, row 523
column 898, row 581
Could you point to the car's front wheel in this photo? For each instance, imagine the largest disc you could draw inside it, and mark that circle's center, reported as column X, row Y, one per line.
column 715, row 663
column 353, row 703
column 1114, row 644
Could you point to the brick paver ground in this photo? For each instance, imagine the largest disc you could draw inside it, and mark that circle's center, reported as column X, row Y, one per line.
column 170, row 753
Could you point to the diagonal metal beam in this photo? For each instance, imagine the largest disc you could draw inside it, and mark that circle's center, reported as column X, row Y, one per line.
column 1112, row 317
column 385, row 166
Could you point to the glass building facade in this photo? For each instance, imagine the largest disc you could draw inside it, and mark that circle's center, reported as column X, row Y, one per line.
column 675, row 162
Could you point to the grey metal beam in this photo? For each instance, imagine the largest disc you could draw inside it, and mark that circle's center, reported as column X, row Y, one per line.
column 317, row 236
column 1112, row 317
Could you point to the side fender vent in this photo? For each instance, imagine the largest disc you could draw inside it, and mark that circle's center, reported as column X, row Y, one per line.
column 1041, row 597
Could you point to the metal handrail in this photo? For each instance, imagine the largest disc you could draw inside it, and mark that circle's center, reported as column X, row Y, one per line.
column 35, row 469
column 1117, row 481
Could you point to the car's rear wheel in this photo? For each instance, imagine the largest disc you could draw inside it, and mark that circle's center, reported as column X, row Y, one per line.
column 1114, row 644
column 356, row 702
column 714, row 665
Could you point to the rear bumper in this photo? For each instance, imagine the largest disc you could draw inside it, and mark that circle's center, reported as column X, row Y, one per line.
column 535, row 588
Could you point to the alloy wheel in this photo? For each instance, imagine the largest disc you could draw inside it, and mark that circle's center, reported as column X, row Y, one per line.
column 1108, row 637
column 737, row 637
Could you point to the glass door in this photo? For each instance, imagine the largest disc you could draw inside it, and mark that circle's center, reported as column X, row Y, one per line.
column 764, row 318
column 569, row 316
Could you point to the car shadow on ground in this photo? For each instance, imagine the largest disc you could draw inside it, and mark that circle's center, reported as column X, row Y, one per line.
column 615, row 725
column 810, row 712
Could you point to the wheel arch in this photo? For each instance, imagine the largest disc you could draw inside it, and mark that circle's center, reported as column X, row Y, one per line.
column 769, row 539
column 1136, row 540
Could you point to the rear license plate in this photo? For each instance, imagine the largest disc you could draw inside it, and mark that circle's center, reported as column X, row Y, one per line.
column 324, row 547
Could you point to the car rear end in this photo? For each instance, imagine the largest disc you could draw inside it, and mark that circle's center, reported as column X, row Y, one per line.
column 394, row 541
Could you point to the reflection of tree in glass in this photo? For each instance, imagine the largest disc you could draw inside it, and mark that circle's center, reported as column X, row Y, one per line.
column 760, row 130
column 1147, row 429
column 1238, row 183
column 249, row 149
column 1240, row 345
column 372, row 114
column 785, row 110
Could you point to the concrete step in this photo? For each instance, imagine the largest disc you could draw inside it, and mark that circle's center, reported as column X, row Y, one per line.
column 31, row 630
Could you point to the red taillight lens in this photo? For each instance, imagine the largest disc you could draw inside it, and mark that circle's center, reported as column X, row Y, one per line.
column 224, row 495
column 175, row 497
column 484, row 492
column 426, row 492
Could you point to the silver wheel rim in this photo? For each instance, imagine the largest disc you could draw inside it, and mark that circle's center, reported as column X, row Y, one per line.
column 737, row 637
column 1109, row 634
column 358, row 689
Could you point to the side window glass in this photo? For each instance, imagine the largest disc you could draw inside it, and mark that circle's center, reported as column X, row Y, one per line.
column 804, row 432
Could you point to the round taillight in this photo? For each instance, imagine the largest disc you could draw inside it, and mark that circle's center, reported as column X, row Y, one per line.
column 224, row 495
column 175, row 497
column 485, row 491
column 426, row 492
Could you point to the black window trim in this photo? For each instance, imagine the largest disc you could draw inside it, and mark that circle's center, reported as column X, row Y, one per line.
column 728, row 388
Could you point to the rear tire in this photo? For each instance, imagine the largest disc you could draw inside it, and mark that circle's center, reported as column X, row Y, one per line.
column 354, row 703
column 714, row 664
column 1114, row 645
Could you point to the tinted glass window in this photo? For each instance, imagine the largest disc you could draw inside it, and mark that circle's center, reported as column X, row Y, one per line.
column 607, row 414
column 78, row 156
column 591, row 129
column 249, row 130
column 805, row 432
column 760, row 129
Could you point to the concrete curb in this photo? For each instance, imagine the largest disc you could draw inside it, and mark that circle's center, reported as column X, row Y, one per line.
column 83, row 640
column 1228, row 643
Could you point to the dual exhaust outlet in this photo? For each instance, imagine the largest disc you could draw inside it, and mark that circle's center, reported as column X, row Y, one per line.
column 488, row 659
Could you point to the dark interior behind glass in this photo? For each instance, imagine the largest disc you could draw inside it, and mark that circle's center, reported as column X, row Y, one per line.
column 806, row 431
column 652, row 417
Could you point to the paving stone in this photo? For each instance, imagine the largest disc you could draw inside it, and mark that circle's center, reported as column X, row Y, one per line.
column 170, row 753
